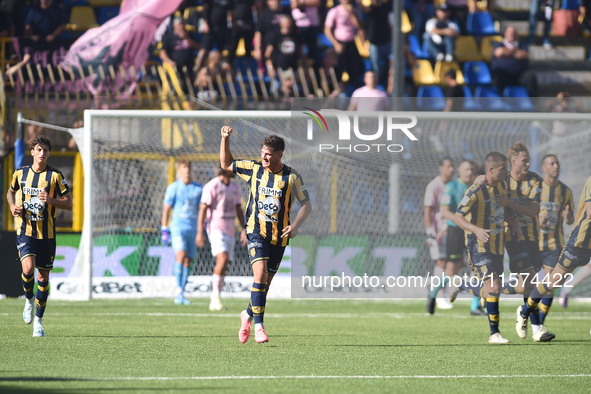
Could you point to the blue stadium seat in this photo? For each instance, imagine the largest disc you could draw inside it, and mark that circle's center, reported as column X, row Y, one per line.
column 518, row 99
column 476, row 73
column 107, row 13
column 488, row 98
column 430, row 98
column 244, row 63
column 415, row 47
column 570, row 4
column 480, row 24
column 469, row 103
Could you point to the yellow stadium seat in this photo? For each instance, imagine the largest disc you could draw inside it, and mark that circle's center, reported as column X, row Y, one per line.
column 406, row 26
column 82, row 18
column 422, row 73
column 441, row 68
column 486, row 46
column 467, row 49
column 363, row 49
column 240, row 49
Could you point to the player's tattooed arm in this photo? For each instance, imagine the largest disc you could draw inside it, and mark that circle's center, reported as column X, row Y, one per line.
column 16, row 210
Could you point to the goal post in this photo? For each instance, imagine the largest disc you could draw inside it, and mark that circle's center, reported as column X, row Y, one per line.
column 367, row 206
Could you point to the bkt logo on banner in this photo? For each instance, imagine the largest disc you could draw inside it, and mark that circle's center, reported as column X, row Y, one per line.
column 345, row 128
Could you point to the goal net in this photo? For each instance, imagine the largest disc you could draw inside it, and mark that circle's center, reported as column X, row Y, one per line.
column 367, row 205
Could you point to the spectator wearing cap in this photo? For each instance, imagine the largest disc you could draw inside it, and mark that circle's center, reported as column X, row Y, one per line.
column 454, row 93
column 510, row 64
column 340, row 27
column 441, row 34
column 45, row 22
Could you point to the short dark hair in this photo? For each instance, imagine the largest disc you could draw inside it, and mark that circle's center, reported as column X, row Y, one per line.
column 274, row 142
column 549, row 155
column 494, row 158
column 444, row 159
column 452, row 74
column 184, row 162
column 41, row 140
column 467, row 161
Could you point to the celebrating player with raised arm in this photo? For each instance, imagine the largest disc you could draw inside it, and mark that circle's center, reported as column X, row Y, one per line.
column 576, row 253
column 43, row 190
column 274, row 188
column 482, row 218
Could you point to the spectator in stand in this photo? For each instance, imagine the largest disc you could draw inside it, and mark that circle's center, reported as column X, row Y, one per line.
column 45, row 22
column 454, row 93
column 12, row 18
column 204, row 90
column 585, row 16
column 534, row 8
column 216, row 17
column 268, row 26
column 410, row 60
column 217, row 65
column 374, row 98
column 458, row 10
column 178, row 48
column 341, row 26
column 242, row 27
column 563, row 103
column 510, row 64
column 330, row 60
column 379, row 34
column 441, row 34
column 305, row 15
column 420, row 12
column 285, row 49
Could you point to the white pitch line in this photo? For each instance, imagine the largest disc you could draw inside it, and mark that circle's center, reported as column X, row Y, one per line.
column 410, row 315
column 295, row 377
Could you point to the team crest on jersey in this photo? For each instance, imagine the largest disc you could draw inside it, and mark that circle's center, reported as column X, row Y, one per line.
column 43, row 184
column 281, row 184
column 252, row 252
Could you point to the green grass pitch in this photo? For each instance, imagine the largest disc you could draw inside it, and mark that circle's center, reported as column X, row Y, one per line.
column 315, row 346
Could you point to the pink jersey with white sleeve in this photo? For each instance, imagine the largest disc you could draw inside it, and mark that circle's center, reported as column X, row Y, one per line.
column 433, row 195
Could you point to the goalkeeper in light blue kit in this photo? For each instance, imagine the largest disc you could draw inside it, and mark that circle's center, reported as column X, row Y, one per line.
column 183, row 197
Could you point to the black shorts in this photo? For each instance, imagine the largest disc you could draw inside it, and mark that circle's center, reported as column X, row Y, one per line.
column 550, row 257
column 524, row 256
column 455, row 246
column 42, row 249
column 572, row 257
column 261, row 249
column 483, row 264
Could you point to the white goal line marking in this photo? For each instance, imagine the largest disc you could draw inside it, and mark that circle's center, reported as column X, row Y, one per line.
column 151, row 378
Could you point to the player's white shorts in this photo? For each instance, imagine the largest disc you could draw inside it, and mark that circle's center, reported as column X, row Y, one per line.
column 221, row 242
column 439, row 250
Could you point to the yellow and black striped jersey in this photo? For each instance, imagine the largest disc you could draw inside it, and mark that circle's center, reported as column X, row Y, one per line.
column 38, row 219
column 523, row 192
column 480, row 208
column 553, row 200
column 271, row 198
column 581, row 234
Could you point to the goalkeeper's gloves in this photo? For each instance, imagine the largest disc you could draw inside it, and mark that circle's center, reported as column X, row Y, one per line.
column 165, row 236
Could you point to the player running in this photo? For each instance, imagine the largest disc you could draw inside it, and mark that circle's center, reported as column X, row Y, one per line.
column 220, row 205
column 43, row 190
column 556, row 204
column 482, row 217
column 274, row 188
column 575, row 253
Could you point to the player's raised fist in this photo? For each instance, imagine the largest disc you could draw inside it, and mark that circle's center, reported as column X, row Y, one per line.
column 226, row 131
